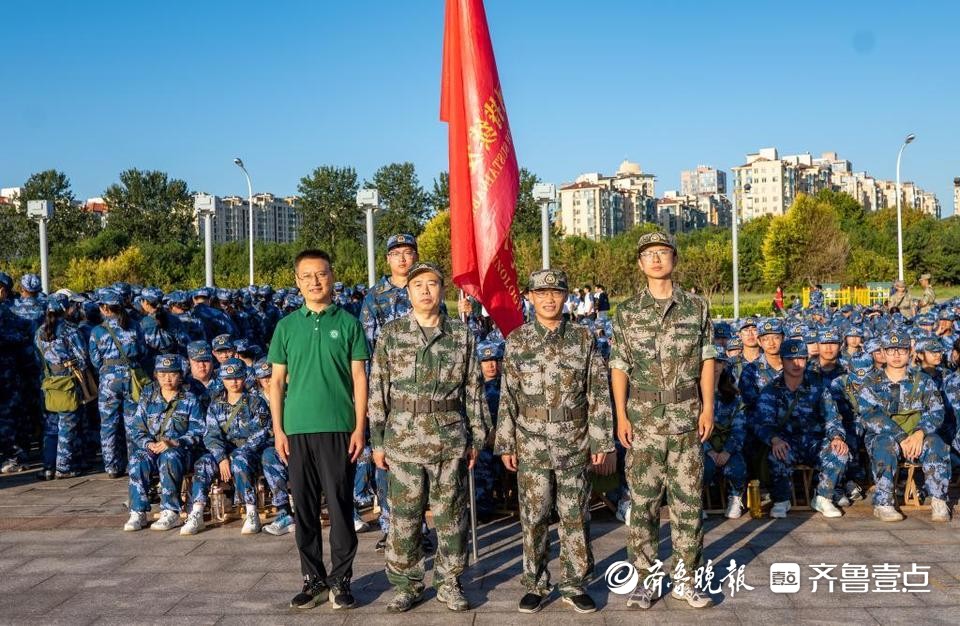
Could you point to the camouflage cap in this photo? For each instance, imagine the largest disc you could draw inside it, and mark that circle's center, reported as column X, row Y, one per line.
column 747, row 322
column 109, row 297
column 925, row 276
column 793, row 349
column 829, row 335
column 489, row 351
column 926, row 319
column 199, row 351
column 548, row 279
column 401, row 239
column 929, row 344
column 30, row 283
column 222, row 342
column 734, row 343
column 896, row 339
column 947, row 315
column 772, row 326
column 203, row 292
column 152, row 295
column 263, row 369
column 422, row 267
column 168, row 363
column 872, row 345
column 233, row 369
column 860, row 366
column 656, row 238
column 178, row 297
column 854, row 331
column 722, row 330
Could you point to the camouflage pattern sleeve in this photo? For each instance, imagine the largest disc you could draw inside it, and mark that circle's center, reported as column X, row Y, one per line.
column 194, row 433
column 600, row 410
column 738, row 431
column 368, row 317
column 620, row 354
column 874, row 415
column 930, row 404
column 831, row 416
column 766, row 415
column 139, row 428
column 378, row 400
column 707, row 350
column 506, row 440
column 475, row 401
column 258, row 416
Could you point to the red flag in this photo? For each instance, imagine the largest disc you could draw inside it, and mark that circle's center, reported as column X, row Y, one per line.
column 484, row 178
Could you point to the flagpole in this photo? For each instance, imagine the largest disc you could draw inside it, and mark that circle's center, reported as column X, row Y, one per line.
column 470, row 479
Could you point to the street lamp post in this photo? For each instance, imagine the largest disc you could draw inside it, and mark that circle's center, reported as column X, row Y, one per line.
column 908, row 139
column 735, row 219
column 544, row 194
column 369, row 201
column 204, row 205
column 42, row 210
column 239, row 163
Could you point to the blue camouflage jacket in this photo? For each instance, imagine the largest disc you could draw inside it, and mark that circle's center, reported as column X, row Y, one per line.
column 246, row 431
column 104, row 353
column 808, row 411
column 879, row 399
column 151, row 423
column 730, row 424
column 67, row 345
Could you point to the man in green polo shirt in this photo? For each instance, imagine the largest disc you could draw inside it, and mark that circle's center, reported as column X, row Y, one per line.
column 318, row 400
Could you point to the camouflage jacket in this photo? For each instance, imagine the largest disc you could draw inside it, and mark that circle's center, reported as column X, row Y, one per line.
column 753, row 378
column 729, row 426
column 807, row 412
column 384, row 303
column 406, row 366
column 662, row 350
column 879, row 400
column 559, row 369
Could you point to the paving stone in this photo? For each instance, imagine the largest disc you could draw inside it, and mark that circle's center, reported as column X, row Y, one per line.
column 68, row 565
column 110, row 602
column 777, row 617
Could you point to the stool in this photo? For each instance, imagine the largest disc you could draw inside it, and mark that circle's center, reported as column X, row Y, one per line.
column 715, row 505
column 801, row 501
column 911, row 495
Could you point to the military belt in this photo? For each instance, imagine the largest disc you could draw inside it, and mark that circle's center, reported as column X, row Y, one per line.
column 114, row 363
column 665, row 396
column 559, row 414
column 425, row 405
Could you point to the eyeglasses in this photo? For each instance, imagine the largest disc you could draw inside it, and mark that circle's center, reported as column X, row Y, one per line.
column 659, row 254
column 405, row 254
column 897, row 350
column 321, row 276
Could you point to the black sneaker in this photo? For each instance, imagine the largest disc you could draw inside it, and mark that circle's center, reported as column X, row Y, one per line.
column 340, row 595
column 73, row 474
column 314, row 592
column 530, row 603
column 115, row 475
column 581, row 603
column 381, row 543
column 46, row 475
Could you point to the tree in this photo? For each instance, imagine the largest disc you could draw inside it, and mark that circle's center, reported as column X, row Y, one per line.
column 405, row 206
column 805, row 246
column 328, row 206
column 70, row 223
column 18, row 234
column 150, row 207
column 440, row 198
column 526, row 218
column 434, row 241
column 708, row 267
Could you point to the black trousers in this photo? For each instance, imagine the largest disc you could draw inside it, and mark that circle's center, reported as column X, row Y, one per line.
column 319, row 464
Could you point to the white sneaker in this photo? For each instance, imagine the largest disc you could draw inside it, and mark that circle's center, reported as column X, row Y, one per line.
column 840, row 498
column 734, row 507
column 251, row 524
column 360, row 526
column 887, row 513
column 168, row 521
column 281, row 525
column 136, row 522
column 194, row 523
column 692, row 597
column 779, row 510
column 11, row 466
column 854, row 491
column 825, row 506
column 939, row 511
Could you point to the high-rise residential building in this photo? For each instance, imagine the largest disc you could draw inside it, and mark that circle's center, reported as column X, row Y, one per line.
column 10, row 195
column 597, row 206
column 709, row 186
column 679, row 213
column 97, row 206
column 276, row 219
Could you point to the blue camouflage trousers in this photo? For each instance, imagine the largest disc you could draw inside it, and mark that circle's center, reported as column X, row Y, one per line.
column 885, row 454
column 243, row 467
column 382, row 478
column 275, row 473
column 171, row 464
column 814, row 451
column 116, row 410
column 734, row 470
column 9, row 405
column 61, row 445
column 484, row 476
column 362, row 491
column 856, row 470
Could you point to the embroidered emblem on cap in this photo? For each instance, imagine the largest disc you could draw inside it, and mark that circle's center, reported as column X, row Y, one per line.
column 657, row 237
column 167, row 362
column 488, row 352
column 794, row 349
column 894, row 339
column 550, row 279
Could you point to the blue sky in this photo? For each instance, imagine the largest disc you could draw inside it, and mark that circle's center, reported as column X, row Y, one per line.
column 92, row 88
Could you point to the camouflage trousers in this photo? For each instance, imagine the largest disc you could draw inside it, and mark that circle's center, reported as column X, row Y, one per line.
column 171, row 464
column 885, row 454
column 485, row 474
column 116, row 409
column 275, row 473
column 536, row 491
column 410, row 486
column 243, row 468
column 62, row 449
column 673, row 464
column 814, row 451
column 856, row 469
column 9, row 408
column 734, row 470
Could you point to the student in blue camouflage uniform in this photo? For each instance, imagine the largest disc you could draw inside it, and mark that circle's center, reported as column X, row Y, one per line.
column 61, row 349
column 945, row 330
column 901, row 411
column 723, row 452
column 116, row 402
column 235, row 434
column 215, row 322
column 845, row 391
column 183, row 325
column 155, row 326
column 30, row 309
column 756, row 375
column 223, row 348
column 248, row 352
column 165, row 429
column 827, row 365
column 274, row 470
column 798, row 419
column 930, row 359
column 488, row 469
column 202, row 378
column 14, row 343
column 853, row 344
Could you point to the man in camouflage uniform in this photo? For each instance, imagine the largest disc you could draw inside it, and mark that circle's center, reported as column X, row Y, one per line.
column 797, row 417
column 426, row 415
column 555, row 422
column 663, row 388
column 901, row 411
column 845, row 391
column 928, row 298
column 489, row 355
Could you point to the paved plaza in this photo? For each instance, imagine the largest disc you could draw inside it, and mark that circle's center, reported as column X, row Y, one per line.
column 64, row 559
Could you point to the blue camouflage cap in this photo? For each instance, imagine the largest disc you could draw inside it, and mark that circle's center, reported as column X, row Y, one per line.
column 178, row 297
column 946, row 314
column 747, row 322
column 860, row 366
column 829, row 335
column 5, row 280
column 241, row 345
column 223, row 295
column 247, row 347
column 896, row 339
column 853, row 331
column 233, row 369
column 489, row 351
column 793, row 349
column 124, row 289
column 361, row 287
column 168, row 363
column 872, row 345
column 199, row 351
column 338, row 286
column 929, row 344
column 109, row 297
column 926, row 319
column 30, row 283
column 57, row 303
column 222, row 342
column 722, row 330
column 401, row 239
column 263, row 369
column 846, row 308
column 203, row 292
column 735, row 343
column 152, row 296
column 771, row 326
column 810, row 336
